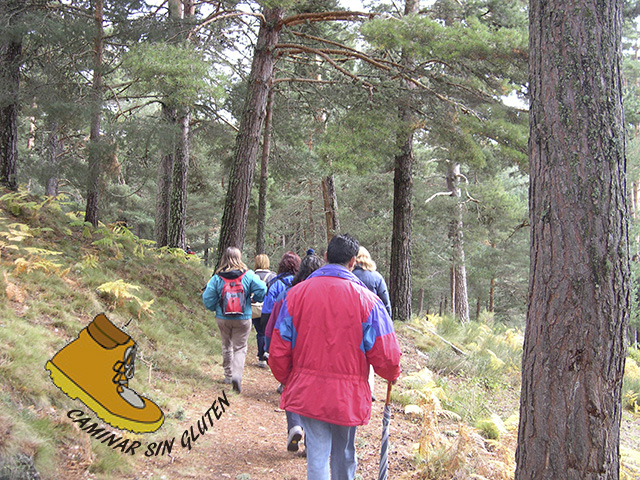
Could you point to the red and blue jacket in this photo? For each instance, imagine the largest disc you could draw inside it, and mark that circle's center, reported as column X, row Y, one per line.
column 329, row 329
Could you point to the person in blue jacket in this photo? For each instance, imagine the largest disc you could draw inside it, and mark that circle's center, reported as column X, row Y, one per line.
column 234, row 328
column 365, row 270
column 287, row 268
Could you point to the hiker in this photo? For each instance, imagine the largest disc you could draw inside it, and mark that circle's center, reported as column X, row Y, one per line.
column 287, row 268
column 365, row 270
column 330, row 328
column 261, row 268
column 309, row 264
column 229, row 294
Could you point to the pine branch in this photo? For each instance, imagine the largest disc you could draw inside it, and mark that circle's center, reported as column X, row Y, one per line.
column 291, row 48
column 214, row 17
column 346, row 16
column 304, row 80
column 439, row 194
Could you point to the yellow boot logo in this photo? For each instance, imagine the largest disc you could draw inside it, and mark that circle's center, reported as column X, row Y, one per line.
column 96, row 368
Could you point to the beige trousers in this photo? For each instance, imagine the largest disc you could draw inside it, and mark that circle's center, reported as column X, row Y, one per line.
column 234, row 335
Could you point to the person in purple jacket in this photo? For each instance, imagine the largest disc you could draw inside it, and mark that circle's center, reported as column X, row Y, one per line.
column 329, row 330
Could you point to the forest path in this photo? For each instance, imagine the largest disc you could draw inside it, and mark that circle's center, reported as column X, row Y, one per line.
column 248, row 441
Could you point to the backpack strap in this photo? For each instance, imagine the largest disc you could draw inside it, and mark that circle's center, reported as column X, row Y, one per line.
column 280, row 276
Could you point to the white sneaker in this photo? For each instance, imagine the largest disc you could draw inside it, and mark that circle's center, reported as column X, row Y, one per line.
column 262, row 364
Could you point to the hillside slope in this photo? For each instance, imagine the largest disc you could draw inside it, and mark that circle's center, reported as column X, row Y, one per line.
column 57, row 273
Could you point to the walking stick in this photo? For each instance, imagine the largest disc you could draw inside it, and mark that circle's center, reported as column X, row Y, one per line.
column 384, row 447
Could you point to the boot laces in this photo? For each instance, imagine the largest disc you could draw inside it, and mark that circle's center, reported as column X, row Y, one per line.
column 125, row 369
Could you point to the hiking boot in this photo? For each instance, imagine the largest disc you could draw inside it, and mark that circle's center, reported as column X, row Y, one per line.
column 295, row 435
column 236, row 383
column 96, row 368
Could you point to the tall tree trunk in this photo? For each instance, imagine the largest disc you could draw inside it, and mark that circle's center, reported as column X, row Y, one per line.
column 330, row 206
column 311, row 224
column 178, row 207
column 207, row 261
column 575, row 345
column 55, row 149
column 172, row 198
column 234, row 217
column 459, row 304
column 264, row 176
column 492, row 294
column 10, row 60
column 165, row 170
column 400, row 261
column 96, row 153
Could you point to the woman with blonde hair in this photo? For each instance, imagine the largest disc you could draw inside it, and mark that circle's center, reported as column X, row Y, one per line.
column 261, row 267
column 229, row 294
column 365, row 270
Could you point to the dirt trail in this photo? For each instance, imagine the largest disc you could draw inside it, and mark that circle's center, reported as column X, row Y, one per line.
column 248, row 441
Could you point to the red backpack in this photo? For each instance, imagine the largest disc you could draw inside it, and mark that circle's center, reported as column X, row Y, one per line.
column 232, row 300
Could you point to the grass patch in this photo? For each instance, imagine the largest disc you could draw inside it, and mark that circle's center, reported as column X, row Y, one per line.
column 48, row 298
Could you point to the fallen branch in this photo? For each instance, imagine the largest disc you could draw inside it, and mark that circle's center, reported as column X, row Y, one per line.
column 457, row 350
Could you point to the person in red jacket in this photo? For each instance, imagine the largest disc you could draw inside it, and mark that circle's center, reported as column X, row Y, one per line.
column 330, row 328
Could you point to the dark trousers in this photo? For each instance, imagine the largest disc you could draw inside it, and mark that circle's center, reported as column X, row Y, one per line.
column 257, row 323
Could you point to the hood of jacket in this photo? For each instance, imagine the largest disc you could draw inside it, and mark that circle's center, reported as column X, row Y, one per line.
column 231, row 274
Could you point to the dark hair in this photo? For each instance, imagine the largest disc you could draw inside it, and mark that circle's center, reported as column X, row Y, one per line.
column 342, row 248
column 309, row 264
column 290, row 263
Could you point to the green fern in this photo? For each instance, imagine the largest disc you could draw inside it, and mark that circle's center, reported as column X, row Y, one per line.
column 119, row 292
column 34, row 262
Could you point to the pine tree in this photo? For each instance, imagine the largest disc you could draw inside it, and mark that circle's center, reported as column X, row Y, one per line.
column 10, row 60
column 575, row 342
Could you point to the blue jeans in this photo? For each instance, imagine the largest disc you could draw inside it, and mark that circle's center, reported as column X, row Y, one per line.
column 329, row 446
column 293, row 419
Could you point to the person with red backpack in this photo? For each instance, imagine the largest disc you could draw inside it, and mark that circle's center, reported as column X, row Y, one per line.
column 229, row 293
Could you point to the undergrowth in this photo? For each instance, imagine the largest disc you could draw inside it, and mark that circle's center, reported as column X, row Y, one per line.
column 468, row 399
column 56, row 274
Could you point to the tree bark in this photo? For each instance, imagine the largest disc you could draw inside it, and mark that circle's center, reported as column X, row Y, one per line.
column 55, row 149
column 400, row 261
column 165, row 171
column 492, row 294
column 96, row 153
column 10, row 60
column 178, row 207
column 575, row 345
column 264, row 176
column 180, row 11
column 234, row 217
column 330, row 206
column 459, row 304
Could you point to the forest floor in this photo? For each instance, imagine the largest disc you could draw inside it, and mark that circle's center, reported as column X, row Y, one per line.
column 248, row 441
